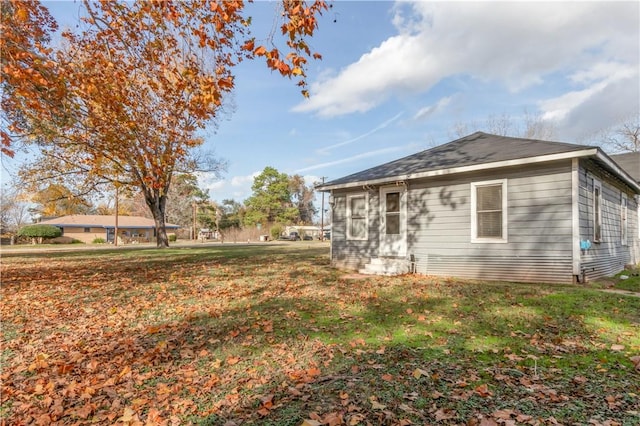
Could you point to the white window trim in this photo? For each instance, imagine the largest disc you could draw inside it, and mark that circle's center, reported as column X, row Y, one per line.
column 364, row 195
column 624, row 220
column 597, row 184
column 474, row 216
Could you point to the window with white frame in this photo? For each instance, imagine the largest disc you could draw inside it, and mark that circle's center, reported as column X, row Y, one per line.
column 489, row 211
column 357, row 208
column 597, row 211
column 623, row 219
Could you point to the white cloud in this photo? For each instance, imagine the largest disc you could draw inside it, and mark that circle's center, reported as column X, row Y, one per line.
column 426, row 112
column 606, row 107
column 600, row 80
column 244, row 181
column 519, row 44
column 381, row 126
column 351, row 159
column 236, row 187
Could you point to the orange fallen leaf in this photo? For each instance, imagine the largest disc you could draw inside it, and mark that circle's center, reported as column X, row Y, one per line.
column 233, row 360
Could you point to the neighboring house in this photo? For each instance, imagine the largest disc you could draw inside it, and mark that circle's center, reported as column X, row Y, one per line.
column 303, row 230
column 489, row 207
column 86, row 228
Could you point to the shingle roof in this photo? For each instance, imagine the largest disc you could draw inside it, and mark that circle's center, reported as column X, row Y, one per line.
column 477, row 148
column 630, row 162
column 104, row 221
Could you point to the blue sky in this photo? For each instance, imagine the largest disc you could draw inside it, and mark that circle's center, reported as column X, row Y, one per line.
column 396, row 78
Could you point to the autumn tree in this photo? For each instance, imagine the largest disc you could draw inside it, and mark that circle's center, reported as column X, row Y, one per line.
column 58, row 200
column 183, row 195
column 31, row 87
column 14, row 210
column 302, row 196
column 136, row 86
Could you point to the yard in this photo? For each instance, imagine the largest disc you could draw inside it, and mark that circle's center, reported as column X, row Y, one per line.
column 270, row 335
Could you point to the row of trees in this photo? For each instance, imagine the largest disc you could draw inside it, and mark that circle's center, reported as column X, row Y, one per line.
column 277, row 198
column 619, row 138
column 124, row 98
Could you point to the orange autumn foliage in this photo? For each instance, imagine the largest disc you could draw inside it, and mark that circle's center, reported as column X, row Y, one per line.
column 127, row 96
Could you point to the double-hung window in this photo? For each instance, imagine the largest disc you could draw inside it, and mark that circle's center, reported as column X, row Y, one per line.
column 623, row 219
column 597, row 211
column 357, row 217
column 489, row 211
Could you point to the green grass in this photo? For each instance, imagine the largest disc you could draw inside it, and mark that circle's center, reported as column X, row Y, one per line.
column 271, row 335
column 631, row 283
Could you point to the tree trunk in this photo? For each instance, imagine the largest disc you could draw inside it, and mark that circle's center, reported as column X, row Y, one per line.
column 157, row 203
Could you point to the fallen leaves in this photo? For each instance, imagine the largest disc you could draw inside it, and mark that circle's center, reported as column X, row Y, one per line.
column 204, row 340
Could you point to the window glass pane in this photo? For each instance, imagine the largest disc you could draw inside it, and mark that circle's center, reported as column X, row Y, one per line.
column 393, row 224
column 596, row 215
column 489, row 198
column 393, row 202
column 490, row 224
column 358, row 207
column 358, row 228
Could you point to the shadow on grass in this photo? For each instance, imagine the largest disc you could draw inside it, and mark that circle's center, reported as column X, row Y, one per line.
column 207, row 336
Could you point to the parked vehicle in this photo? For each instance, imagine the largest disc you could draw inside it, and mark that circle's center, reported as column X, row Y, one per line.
column 294, row 236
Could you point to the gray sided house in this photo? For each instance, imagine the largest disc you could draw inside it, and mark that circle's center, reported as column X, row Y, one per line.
column 490, row 207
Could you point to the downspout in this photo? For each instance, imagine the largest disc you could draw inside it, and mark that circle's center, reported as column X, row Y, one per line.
column 578, row 274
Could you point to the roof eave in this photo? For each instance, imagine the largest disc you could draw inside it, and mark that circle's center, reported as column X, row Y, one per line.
column 628, row 179
column 476, row 167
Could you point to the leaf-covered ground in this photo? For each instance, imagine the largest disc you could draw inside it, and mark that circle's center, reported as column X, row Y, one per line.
column 271, row 335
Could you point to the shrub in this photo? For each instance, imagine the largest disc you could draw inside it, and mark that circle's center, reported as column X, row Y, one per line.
column 39, row 232
column 172, row 237
column 276, row 231
column 98, row 241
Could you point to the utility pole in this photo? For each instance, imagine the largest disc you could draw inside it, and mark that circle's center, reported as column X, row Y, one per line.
column 195, row 212
column 115, row 230
column 322, row 213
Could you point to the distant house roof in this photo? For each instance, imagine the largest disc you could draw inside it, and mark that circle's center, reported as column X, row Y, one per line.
column 630, row 162
column 104, row 221
column 477, row 151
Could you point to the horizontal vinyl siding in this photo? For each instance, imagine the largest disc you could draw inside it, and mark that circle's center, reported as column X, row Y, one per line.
column 609, row 256
column 539, row 226
column 537, row 268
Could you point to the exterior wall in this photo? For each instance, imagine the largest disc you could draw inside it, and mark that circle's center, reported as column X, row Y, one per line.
column 126, row 235
column 539, row 230
column 610, row 255
column 539, row 234
column 636, row 233
column 543, row 239
column 85, row 237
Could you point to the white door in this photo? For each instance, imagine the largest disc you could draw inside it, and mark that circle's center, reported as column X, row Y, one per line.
column 393, row 221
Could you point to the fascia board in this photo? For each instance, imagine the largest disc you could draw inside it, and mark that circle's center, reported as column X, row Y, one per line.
column 619, row 171
column 465, row 169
